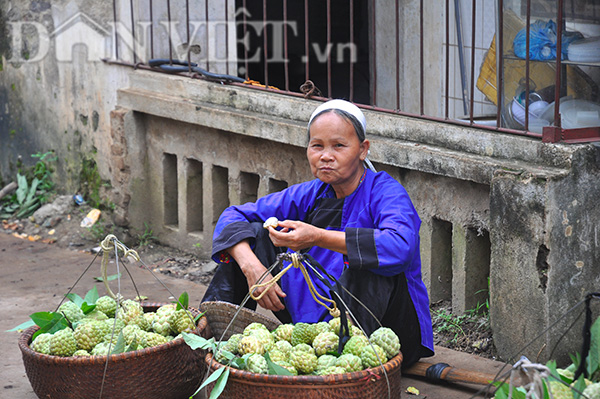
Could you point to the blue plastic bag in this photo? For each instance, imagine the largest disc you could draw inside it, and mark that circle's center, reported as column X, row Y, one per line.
column 542, row 41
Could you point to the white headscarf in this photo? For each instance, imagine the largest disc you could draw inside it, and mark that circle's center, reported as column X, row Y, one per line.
column 344, row 106
column 348, row 107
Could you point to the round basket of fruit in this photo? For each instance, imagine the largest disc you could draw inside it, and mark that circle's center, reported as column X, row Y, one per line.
column 131, row 350
column 267, row 359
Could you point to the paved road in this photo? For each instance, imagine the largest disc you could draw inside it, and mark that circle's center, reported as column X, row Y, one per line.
column 34, row 276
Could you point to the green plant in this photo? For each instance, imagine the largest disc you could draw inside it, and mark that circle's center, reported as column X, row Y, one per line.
column 34, row 187
column 91, row 182
column 446, row 322
column 147, row 237
column 97, row 232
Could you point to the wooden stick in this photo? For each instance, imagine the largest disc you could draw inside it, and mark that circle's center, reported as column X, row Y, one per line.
column 9, row 188
column 442, row 371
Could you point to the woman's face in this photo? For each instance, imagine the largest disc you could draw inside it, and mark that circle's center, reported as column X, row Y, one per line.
column 335, row 153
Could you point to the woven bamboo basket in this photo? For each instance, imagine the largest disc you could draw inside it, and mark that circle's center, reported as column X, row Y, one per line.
column 365, row 384
column 168, row 371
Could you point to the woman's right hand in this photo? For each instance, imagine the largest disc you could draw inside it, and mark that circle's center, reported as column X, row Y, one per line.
column 253, row 269
column 270, row 300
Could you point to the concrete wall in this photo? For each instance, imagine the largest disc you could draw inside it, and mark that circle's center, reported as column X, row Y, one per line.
column 52, row 103
column 503, row 207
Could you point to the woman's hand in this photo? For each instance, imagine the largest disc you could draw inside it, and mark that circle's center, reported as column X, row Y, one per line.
column 253, row 269
column 270, row 300
column 295, row 235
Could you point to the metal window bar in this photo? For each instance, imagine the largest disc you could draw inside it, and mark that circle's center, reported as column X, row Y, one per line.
column 328, row 46
column 151, row 30
column 306, row 45
column 133, row 31
column 169, row 24
column 374, row 53
column 472, row 91
column 553, row 133
column 527, row 47
column 286, row 64
column 187, row 30
column 397, row 17
column 207, row 35
column 245, row 29
column 351, row 23
column 265, row 44
column 447, row 62
column 421, row 63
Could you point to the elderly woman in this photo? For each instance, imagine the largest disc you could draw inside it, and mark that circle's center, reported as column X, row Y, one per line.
column 361, row 226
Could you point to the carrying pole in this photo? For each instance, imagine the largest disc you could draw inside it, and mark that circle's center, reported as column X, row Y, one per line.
column 445, row 372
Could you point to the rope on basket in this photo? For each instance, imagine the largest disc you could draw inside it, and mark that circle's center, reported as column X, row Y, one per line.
column 295, row 260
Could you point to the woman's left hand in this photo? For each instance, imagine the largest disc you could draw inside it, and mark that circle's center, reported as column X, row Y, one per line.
column 294, row 235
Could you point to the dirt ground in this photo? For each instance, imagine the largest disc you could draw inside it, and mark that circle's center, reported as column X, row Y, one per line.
column 59, row 224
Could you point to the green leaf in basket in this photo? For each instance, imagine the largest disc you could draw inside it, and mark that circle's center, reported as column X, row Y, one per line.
column 274, row 368
column 119, row 346
column 132, row 346
column 49, row 322
column 220, row 375
column 220, row 384
column 183, row 301
column 87, row 308
column 22, row 326
column 108, row 278
column 76, row 299
column 195, row 341
column 240, row 362
column 92, row 296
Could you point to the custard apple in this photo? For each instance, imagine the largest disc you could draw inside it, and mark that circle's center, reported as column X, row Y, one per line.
column 304, row 362
column 232, row 344
column 95, row 315
column 162, row 323
column 592, row 391
column 349, row 363
column 325, row 361
column 107, row 305
column 131, row 332
column 250, row 344
column 303, row 333
column 257, row 364
column 90, row 334
column 41, row 343
column 264, row 336
column 303, row 348
column 63, row 343
column 254, row 326
column 387, row 339
column 560, row 390
column 325, row 342
column 283, row 332
column 129, row 310
column 182, row 321
column 102, row 349
column 283, row 346
column 371, row 355
column 72, row 312
column 150, row 339
column 322, row 326
column 332, row 370
column 278, row 356
column 355, row 345
column 81, row 353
